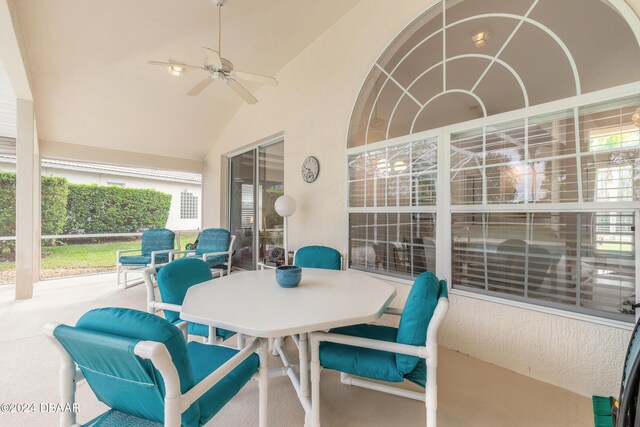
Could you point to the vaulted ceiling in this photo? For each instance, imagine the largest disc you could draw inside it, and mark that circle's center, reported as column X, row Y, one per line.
column 92, row 86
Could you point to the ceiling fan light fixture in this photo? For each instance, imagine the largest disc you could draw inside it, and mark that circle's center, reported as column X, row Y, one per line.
column 480, row 39
column 176, row 70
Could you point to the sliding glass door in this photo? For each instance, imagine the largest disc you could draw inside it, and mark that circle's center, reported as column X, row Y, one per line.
column 256, row 180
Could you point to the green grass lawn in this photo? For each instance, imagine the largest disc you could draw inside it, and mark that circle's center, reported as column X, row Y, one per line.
column 94, row 255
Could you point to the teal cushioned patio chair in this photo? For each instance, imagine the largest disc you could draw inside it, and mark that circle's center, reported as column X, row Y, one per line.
column 157, row 245
column 624, row 412
column 318, row 257
column 388, row 354
column 173, row 282
column 139, row 365
column 215, row 247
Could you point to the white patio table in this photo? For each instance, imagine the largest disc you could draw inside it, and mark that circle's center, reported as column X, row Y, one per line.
column 252, row 303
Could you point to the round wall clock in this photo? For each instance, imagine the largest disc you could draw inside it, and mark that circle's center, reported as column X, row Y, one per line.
column 310, row 169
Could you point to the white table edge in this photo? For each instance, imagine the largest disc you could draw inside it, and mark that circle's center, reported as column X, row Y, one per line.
column 287, row 331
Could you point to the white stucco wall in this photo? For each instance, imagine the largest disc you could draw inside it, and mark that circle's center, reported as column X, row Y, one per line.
column 312, row 107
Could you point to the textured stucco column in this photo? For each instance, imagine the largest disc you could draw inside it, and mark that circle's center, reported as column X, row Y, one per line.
column 27, row 201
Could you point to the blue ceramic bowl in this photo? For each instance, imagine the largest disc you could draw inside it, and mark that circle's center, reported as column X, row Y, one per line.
column 288, row 276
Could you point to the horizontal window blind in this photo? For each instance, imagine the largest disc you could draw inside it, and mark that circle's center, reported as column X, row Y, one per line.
column 576, row 260
column 398, row 244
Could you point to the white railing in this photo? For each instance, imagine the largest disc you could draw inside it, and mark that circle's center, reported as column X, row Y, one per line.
column 95, row 235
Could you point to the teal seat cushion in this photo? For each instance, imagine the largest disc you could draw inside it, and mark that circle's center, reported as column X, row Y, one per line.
column 113, row 418
column 207, row 358
column 102, row 345
column 416, row 315
column 135, row 260
column 201, row 330
column 318, row 257
column 175, row 279
column 143, row 259
column 157, row 239
column 364, row 362
column 217, row 261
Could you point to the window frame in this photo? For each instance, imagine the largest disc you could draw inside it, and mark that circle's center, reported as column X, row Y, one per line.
column 444, row 209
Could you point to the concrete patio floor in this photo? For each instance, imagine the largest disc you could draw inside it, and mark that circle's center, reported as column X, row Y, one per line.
column 471, row 392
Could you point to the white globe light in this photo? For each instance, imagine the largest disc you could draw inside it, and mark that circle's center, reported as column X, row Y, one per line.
column 285, row 206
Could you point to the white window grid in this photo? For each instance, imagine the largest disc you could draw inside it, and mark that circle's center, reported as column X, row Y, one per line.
column 444, row 209
column 188, row 205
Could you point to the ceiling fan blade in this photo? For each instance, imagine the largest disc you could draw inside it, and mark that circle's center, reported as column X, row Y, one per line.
column 242, row 75
column 214, row 55
column 242, row 91
column 200, row 87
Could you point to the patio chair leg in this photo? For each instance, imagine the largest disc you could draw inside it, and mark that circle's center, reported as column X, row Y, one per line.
column 431, row 398
column 118, row 274
column 263, row 386
column 315, row 382
column 67, row 390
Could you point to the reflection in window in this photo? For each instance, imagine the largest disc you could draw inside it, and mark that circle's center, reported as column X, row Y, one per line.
column 398, row 176
column 579, row 261
column 398, row 244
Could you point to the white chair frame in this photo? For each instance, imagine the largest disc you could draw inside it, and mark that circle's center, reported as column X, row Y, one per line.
column 175, row 403
column 154, row 306
column 429, row 352
column 229, row 253
column 120, row 268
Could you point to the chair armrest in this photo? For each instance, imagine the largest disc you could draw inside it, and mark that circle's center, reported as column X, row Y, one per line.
column 172, row 254
column 164, row 251
column 213, row 378
column 123, row 251
column 393, row 311
column 208, row 254
column 262, row 266
column 158, row 305
column 411, row 350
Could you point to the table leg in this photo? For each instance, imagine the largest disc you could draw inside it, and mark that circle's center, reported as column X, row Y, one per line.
column 263, row 385
column 241, row 341
column 304, row 365
column 315, row 382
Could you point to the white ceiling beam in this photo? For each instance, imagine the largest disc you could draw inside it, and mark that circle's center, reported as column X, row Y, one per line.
column 11, row 51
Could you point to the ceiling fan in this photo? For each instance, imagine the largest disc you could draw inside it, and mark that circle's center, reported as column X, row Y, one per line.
column 219, row 69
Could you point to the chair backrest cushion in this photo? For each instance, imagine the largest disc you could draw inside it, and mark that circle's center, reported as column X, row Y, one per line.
column 157, row 239
column 102, row 344
column 416, row 315
column 175, row 279
column 318, row 257
column 213, row 240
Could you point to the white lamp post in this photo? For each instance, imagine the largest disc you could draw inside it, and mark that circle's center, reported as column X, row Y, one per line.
column 285, row 207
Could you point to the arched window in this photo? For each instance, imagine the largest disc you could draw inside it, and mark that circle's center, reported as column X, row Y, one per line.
column 497, row 143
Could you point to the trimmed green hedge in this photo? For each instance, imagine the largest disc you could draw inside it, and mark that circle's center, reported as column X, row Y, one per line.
column 79, row 208
column 100, row 209
column 53, row 208
column 8, row 210
column 54, row 192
